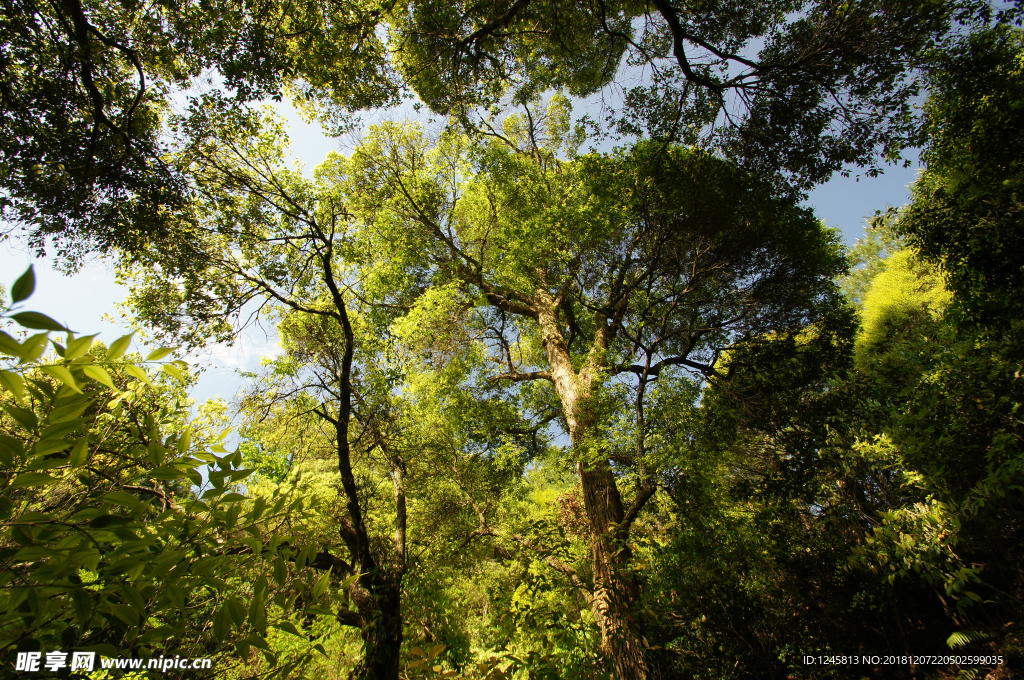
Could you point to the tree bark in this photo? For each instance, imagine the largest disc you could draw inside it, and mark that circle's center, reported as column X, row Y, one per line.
column 616, row 592
column 381, row 623
column 377, row 591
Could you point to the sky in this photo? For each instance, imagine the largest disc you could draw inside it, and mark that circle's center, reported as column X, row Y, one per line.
column 87, row 301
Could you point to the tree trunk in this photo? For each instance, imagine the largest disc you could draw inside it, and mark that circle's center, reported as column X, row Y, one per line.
column 615, row 590
column 381, row 616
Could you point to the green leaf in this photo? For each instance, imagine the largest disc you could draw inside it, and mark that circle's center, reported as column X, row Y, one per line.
column 305, row 555
column 258, row 610
column 321, row 584
column 134, row 599
column 24, row 286
column 49, row 445
column 104, row 521
column 125, row 500
column 221, row 625
column 62, row 374
column 138, row 373
column 280, row 571
column 158, row 354
column 236, row 611
column 185, row 440
column 33, row 347
column 119, row 347
column 176, row 594
column 11, row 446
column 126, row 614
column 962, row 638
column 10, row 346
column 69, row 411
column 174, row 372
column 288, row 627
column 28, row 479
column 22, row 416
column 17, row 596
column 13, row 383
column 80, row 453
column 37, row 321
column 257, row 641
column 34, row 553
column 83, row 605
column 167, row 473
column 100, row 375
column 78, row 346
column 61, row 429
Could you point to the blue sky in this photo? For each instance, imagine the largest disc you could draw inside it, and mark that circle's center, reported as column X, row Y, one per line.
column 87, row 301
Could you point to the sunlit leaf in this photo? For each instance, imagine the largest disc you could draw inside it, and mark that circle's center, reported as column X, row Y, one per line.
column 28, row 479
column 173, row 371
column 10, row 346
column 13, row 383
column 62, row 374
column 99, row 374
column 22, row 416
column 78, row 346
column 80, row 453
column 158, row 354
column 119, row 347
column 138, row 373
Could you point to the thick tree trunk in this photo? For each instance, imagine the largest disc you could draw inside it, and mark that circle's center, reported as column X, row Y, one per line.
column 615, row 590
column 381, row 618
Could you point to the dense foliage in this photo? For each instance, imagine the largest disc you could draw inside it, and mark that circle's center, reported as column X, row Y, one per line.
column 541, row 408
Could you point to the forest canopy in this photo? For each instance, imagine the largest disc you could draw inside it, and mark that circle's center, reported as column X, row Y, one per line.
column 556, row 395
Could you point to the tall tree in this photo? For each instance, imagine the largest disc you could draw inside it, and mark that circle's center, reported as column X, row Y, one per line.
column 585, row 270
column 265, row 235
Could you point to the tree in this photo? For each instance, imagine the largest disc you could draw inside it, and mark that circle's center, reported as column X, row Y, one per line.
column 858, row 491
column 265, row 234
column 86, row 89
column 795, row 90
column 966, row 208
column 107, row 544
column 581, row 271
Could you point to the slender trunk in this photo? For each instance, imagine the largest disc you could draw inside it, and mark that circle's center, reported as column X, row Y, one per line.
column 378, row 590
column 616, row 592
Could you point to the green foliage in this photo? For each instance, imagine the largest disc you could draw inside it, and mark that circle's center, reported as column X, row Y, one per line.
column 84, row 116
column 903, row 296
column 123, row 529
column 476, row 327
column 967, row 207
